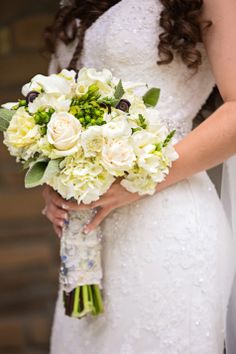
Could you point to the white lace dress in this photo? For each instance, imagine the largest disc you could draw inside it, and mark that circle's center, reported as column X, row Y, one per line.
column 168, row 259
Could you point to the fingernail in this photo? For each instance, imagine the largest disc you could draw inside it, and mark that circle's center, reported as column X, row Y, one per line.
column 66, row 222
column 85, row 230
column 65, row 206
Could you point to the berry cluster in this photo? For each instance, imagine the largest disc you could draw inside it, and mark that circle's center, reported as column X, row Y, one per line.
column 87, row 108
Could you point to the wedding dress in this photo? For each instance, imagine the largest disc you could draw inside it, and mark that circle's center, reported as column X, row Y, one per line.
column 168, row 259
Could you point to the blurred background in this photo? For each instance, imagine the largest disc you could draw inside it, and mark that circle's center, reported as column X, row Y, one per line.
column 29, row 250
column 28, row 246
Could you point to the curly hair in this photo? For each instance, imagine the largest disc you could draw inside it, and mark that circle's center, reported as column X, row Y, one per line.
column 179, row 19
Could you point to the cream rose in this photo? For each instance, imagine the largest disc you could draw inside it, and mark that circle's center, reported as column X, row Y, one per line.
column 118, row 156
column 63, row 133
column 22, row 130
column 118, row 127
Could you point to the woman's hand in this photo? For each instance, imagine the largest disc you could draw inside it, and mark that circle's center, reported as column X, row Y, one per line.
column 56, row 208
column 116, row 197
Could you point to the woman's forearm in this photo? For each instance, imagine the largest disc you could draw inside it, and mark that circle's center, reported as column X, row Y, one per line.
column 211, row 143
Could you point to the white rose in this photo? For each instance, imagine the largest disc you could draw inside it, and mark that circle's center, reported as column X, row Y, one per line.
column 63, row 133
column 118, row 156
column 118, row 127
column 139, row 182
column 92, row 140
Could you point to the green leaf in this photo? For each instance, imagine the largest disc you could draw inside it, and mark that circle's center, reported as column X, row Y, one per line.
column 52, row 169
column 142, row 121
column 109, row 101
column 40, row 172
column 151, row 97
column 168, row 138
column 34, row 176
column 119, row 91
column 5, row 118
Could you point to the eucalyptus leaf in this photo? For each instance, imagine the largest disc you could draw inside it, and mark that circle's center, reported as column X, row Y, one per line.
column 5, row 118
column 151, row 97
column 119, row 91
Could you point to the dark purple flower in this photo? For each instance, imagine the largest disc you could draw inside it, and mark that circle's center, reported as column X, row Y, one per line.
column 31, row 96
column 123, row 105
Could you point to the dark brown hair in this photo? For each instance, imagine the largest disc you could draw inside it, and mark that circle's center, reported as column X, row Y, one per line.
column 179, row 20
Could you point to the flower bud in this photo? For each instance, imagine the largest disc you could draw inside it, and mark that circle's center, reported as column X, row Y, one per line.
column 123, row 105
column 31, row 96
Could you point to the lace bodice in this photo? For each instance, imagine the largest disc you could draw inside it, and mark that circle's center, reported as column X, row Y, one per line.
column 124, row 39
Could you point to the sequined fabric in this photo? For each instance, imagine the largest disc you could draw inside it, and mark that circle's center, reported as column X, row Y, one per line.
column 80, row 253
column 167, row 259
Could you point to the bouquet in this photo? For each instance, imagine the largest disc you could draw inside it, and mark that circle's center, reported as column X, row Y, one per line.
column 78, row 133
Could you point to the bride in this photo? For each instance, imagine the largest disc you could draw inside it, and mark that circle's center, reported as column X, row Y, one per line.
column 168, row 259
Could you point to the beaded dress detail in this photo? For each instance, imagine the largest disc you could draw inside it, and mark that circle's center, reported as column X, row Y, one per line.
column 167, row 259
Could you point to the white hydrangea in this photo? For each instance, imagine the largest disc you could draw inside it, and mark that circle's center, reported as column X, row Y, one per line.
column 85, row 179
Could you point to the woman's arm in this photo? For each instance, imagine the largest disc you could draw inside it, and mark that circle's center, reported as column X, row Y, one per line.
column 209, row 144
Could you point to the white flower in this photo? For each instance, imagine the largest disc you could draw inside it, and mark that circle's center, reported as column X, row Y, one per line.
column 63, row 133
column 30, row 86
column 22, row 130
column 118, row 156
column 92, row 140
column 117, row 127
column 139, row 182
column 55, row 83
column 154, row 123
column 143, row 138
column 68, row 74
column 102, row 79
column 170, row 154
column 81, row 88
column 9, row 105
column 149, row 158
column 91, row 75
column 46, row 100
column 82, row 178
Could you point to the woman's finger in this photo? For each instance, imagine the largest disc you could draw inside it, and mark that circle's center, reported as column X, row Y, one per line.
column 57, row 200
column 58, row 230
column 51, row 196
column 55, row 217
column 98, row 218
column 57, row 212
